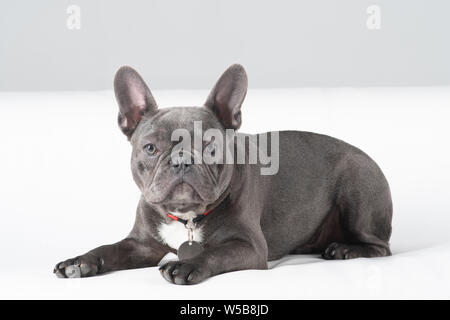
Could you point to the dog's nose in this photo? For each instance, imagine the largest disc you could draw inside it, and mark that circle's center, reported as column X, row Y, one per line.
column 180, row 164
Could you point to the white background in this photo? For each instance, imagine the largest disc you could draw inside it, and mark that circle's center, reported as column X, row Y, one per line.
column 66, row 187
column 65, row 181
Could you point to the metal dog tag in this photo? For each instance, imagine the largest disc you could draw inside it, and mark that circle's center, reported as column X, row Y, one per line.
column 189, row 250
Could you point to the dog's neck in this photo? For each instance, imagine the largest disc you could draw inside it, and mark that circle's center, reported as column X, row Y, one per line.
column 184, row 215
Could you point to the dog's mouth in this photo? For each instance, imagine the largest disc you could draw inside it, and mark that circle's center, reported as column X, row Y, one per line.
column 183, row 198
column 182, row 207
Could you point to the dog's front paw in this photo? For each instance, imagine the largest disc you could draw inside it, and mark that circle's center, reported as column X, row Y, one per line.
column 78, row 267
column 184, row 272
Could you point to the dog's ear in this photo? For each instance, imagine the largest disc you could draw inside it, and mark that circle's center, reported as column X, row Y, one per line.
column 134, row 99
column 226, row 97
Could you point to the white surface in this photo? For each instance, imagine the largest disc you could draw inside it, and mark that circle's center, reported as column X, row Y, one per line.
column 66, row 187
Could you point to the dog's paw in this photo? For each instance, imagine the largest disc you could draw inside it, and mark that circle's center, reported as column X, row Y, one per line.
column 350, row 251
column 183, row 272
column 338, row 251
column 78, row 267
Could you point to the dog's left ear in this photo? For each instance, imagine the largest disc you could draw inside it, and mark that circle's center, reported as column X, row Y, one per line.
column 134, row 99
column 226, row 98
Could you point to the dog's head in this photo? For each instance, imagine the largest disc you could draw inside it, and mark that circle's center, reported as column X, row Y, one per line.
column 174, row 178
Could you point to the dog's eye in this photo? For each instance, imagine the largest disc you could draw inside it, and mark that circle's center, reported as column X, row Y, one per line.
column 151, row 149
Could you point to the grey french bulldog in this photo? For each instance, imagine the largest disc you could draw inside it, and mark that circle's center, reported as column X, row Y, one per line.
column 327, row 197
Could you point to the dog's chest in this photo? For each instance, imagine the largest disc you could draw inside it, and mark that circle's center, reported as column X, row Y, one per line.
column 175, row 233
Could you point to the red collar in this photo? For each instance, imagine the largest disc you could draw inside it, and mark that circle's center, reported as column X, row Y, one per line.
column 197, row 219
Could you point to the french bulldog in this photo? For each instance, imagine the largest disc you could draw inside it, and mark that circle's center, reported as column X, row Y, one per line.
column 326, row 196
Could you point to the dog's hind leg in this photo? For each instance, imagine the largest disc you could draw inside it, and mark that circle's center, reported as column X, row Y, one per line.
column 365, row 205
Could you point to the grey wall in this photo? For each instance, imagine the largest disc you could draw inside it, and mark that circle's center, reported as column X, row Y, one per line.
column 187, row 43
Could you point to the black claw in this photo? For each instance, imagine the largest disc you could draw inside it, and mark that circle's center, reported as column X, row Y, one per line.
column 171, row 268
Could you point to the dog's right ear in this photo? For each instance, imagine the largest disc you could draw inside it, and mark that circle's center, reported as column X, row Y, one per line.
column 134, row 99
